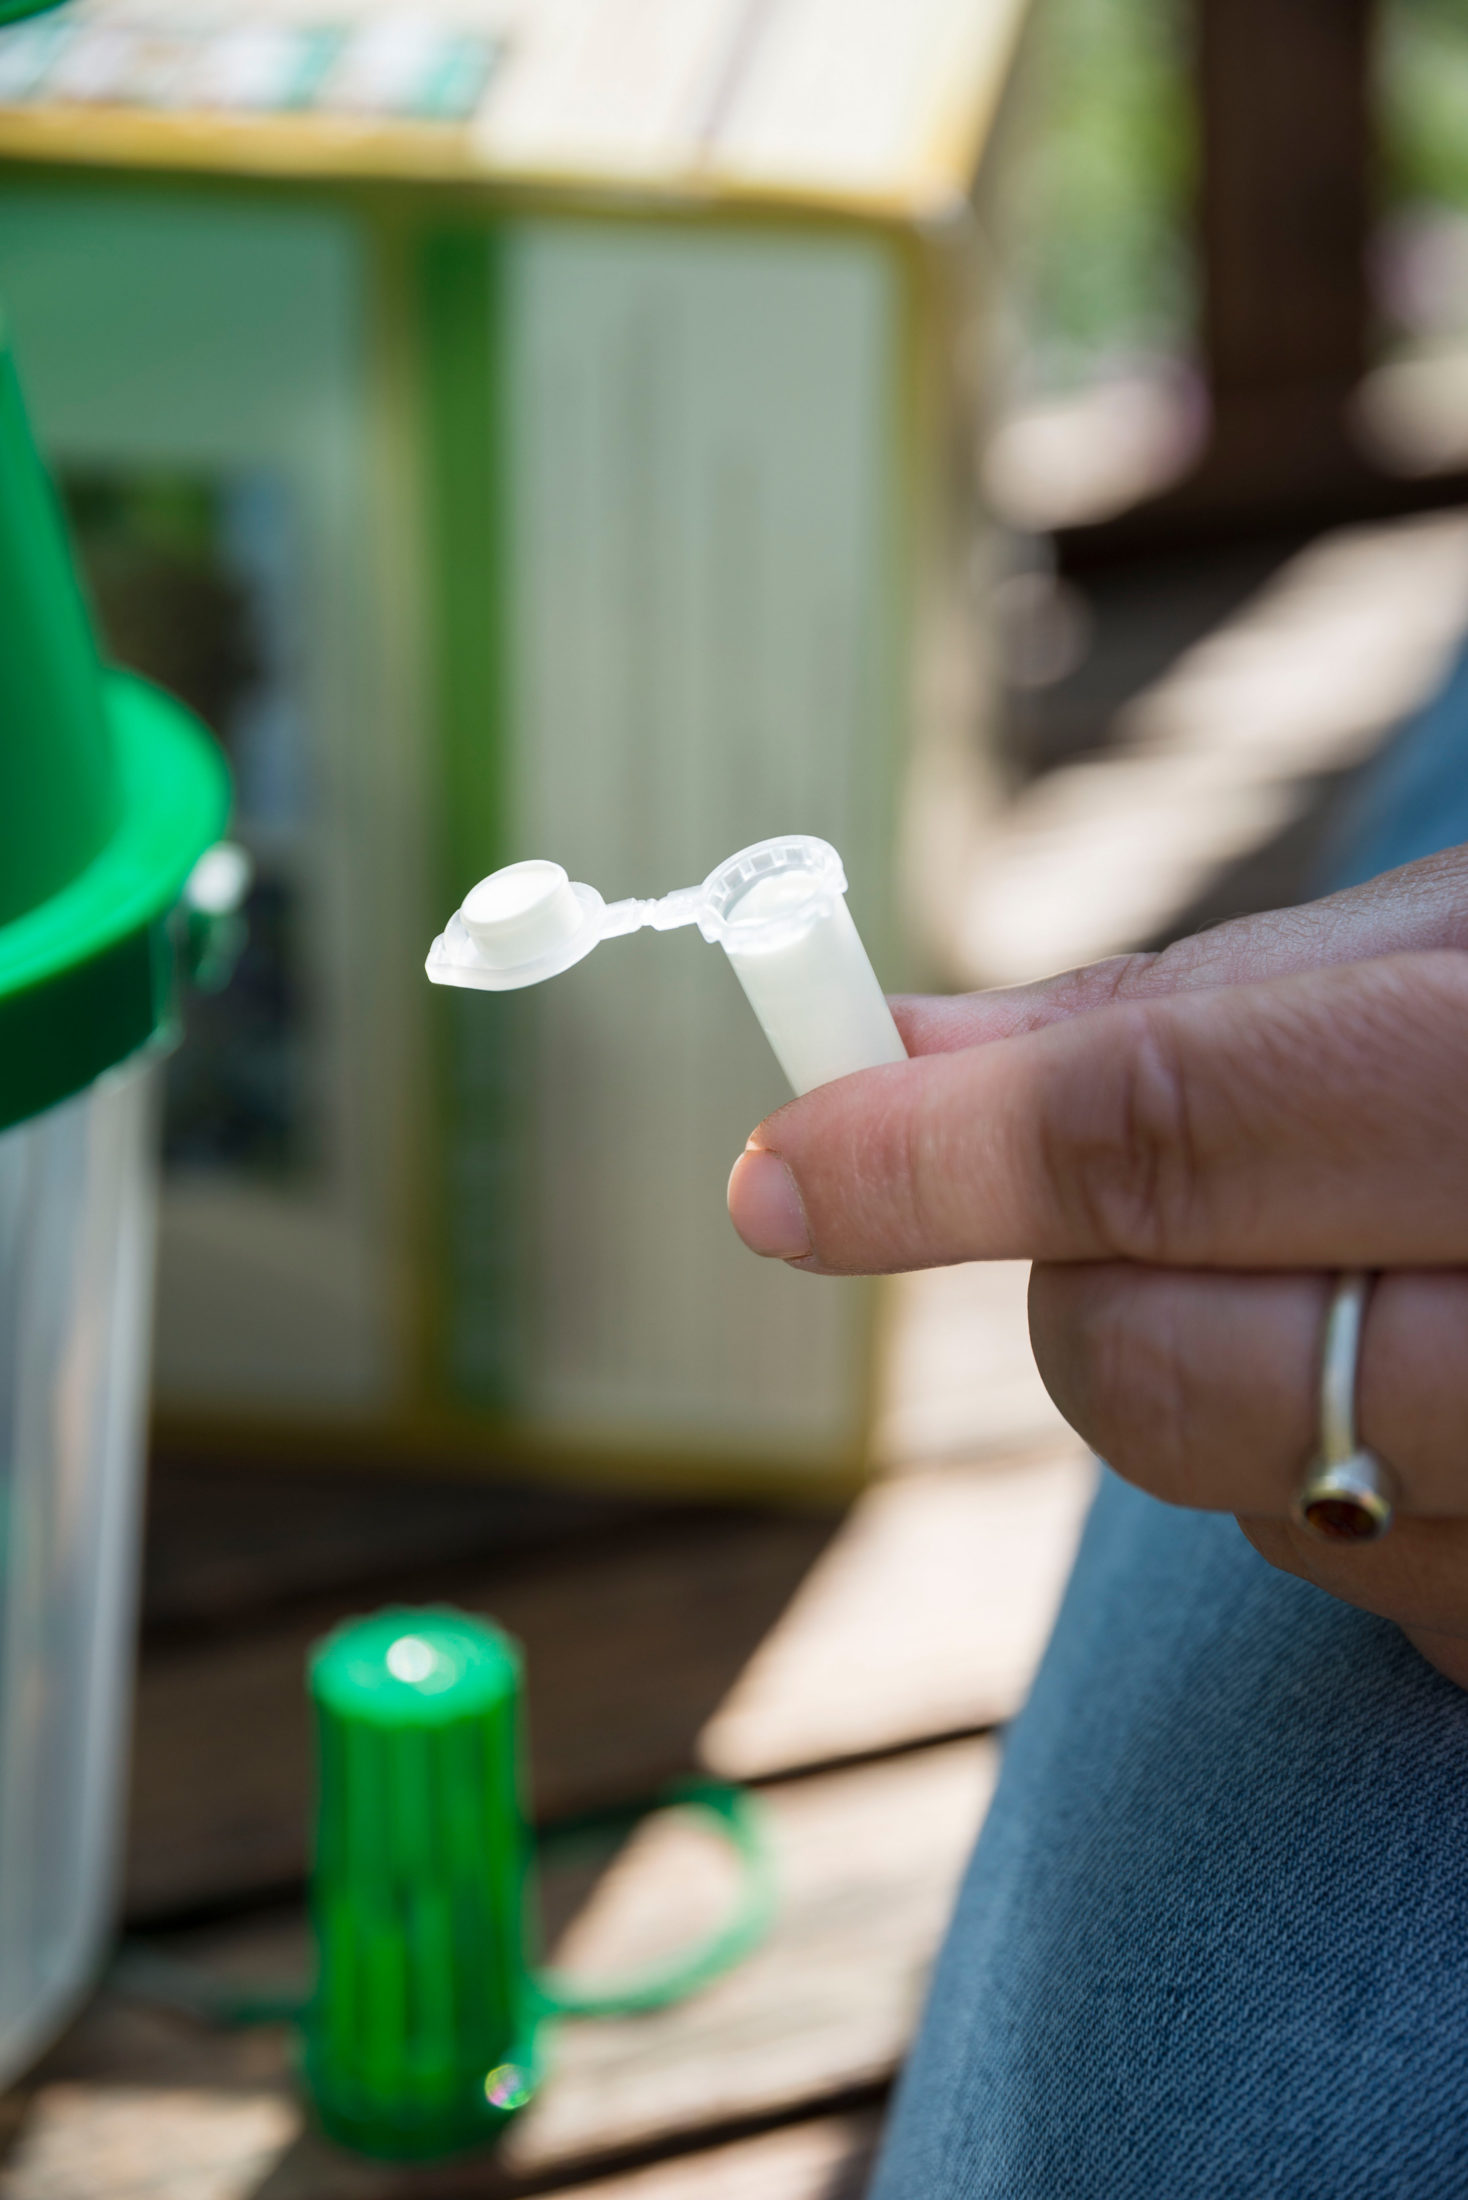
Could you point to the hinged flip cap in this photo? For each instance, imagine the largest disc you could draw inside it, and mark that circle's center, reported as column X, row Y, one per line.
column 530, row 921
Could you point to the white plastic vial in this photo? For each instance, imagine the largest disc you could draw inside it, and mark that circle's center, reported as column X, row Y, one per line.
column 778, row 910
column 797, row 953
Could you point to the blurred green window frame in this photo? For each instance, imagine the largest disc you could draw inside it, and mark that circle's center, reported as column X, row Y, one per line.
column 1422, row 84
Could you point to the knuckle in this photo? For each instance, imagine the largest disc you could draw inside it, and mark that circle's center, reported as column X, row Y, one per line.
column 1124, row 1158
column 891, row 1184
column 926, row 1177
column 903, row 1168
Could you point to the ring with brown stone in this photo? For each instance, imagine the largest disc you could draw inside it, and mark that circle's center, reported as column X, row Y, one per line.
column 1348, row 1495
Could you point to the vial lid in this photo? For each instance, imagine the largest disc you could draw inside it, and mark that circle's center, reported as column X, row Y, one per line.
column 522, row 912
column 523, row 923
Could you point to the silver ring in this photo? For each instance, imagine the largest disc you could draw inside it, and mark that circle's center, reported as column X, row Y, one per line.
column 1348, row 1496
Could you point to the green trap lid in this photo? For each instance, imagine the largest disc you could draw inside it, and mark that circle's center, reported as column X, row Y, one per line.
column 109, row 794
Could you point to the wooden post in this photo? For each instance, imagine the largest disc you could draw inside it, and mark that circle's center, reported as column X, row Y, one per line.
column 1283, row 89
column 1284, row 93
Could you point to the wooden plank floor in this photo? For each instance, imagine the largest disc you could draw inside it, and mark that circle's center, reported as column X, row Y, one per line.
column 753, row 1646
column 191, row 2143
column 867, row 1860
column 853, row 1664
column 826, row 2158
column 753, row 1642
column 1198, row 759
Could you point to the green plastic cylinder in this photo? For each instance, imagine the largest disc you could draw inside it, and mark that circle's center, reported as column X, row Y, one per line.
column 420, row 2039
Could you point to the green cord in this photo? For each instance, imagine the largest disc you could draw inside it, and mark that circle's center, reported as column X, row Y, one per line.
column 143, row 1974
column 736, row 1815
column 140, row 1973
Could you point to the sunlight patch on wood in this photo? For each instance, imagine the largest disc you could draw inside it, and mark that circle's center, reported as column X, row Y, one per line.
column 97, row 2142
column 1221, row 754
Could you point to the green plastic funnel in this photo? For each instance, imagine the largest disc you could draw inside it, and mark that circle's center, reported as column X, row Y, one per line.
column 109, row 794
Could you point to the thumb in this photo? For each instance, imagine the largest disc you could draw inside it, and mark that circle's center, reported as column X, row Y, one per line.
column 1311, row 1121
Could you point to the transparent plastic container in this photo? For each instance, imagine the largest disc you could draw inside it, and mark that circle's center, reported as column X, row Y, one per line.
column 76, row 1224
column 110, row 794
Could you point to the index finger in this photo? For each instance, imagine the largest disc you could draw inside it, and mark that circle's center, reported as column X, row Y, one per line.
column 1313, row 1121
column 1420, row 907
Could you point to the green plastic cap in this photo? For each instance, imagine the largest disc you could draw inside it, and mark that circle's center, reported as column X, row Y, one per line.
column 109, row 794
column 420, row 2039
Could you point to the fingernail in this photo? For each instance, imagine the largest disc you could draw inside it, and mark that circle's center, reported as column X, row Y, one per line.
column 765, row 1208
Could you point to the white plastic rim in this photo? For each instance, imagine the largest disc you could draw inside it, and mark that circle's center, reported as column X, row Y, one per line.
column 771, row 891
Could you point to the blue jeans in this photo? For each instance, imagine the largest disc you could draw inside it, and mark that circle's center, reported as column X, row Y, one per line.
column 1213, row 1944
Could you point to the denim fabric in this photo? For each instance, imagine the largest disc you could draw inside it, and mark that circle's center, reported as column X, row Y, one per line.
column 1213, row 1944
column 1414, row 798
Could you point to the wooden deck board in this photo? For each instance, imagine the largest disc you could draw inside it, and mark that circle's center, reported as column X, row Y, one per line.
column 826, row 2158
column 868, row 1861
column 959, row 1380
column 227, row 1543
column 177, row 2143
column 755, row 1645
column 140, row 2105
column 926, row 1615
column 629, row 1649
column 1201, row 804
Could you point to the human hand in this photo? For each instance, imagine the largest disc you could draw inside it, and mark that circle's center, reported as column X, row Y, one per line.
column 1188, row 1145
